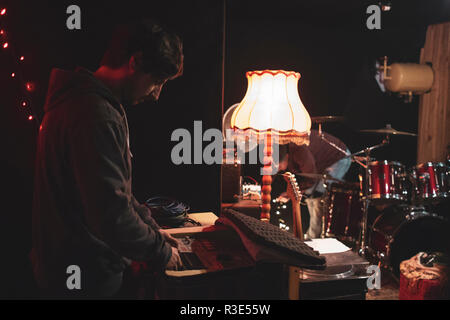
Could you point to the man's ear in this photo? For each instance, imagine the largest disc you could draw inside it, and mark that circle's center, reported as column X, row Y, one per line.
column 135, row 62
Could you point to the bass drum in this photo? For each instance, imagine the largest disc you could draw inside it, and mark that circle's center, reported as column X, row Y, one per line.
column 401, row 232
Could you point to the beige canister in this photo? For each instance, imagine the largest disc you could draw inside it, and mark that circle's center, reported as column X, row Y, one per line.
column 409, row 77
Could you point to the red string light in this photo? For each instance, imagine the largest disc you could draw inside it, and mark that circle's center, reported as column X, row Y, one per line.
column 28, row 86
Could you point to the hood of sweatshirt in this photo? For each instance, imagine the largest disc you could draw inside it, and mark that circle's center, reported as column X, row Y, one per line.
column 64, row 84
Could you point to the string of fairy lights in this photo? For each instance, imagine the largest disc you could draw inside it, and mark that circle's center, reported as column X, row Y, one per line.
column 26, row 87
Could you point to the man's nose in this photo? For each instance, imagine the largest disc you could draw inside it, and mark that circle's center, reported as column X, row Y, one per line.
column 156, row 92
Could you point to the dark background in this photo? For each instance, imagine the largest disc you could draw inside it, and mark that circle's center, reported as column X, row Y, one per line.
column 329, row 44
column 326, row 41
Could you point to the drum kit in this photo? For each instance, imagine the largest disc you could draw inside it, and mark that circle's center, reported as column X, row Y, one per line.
column 404, row 222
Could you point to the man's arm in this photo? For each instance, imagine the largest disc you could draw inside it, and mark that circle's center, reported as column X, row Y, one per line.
column 145, row 213
column 98, row 159
column 301, row 160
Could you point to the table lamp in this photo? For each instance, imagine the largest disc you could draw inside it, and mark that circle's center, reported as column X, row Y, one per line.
column 271, row 109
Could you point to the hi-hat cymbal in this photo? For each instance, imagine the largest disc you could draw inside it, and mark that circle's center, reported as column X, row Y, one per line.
column 389, row 131
column 323, row 119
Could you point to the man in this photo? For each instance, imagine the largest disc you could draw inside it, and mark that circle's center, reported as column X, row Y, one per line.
column 84, row 211
column 320, row 157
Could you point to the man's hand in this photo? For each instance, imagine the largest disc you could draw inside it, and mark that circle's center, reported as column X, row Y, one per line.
column 168, row 237
column 175, row 260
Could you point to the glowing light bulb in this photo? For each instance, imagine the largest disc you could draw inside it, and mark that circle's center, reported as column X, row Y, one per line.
column 13, row 75
column 5, row 45
column 30, row 86
column 22, row 58
column 3, row 12
column 30, row 117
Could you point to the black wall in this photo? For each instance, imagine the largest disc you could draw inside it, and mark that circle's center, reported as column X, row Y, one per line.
column 326, row 41
column 329, row 44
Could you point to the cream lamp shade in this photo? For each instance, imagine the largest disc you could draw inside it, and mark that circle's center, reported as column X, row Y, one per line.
column 273, row 106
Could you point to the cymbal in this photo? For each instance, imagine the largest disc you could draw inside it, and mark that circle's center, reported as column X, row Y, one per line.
column 389, row 131
column 317, row 176
column 323, row 119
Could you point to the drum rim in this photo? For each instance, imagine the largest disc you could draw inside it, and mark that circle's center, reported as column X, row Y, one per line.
column 435, row 196
column 422, row 210
column 431, row 164
column 387, row 196
column 387, row 162
column 390, row 239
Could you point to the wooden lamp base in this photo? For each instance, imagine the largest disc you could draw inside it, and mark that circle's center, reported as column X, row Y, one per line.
column 266, row 188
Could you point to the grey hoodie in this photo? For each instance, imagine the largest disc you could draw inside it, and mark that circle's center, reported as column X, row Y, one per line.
column 84, row 211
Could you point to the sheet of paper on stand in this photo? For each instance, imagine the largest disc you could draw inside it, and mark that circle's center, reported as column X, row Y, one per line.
column 327, row 245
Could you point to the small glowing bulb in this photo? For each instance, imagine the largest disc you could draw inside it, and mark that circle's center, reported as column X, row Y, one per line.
column 22, row 58
column 5, row 45
column 13, row 75
column 2, row 32
column 29, row 86
column 3, row 12
column 24, row 104
column 30, row 117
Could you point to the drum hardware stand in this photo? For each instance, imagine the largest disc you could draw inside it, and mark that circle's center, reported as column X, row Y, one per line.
column 322, row 136
column 362, row 241
column 362, row 247
column 326, row 185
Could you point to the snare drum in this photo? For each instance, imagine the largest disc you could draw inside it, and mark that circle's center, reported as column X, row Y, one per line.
column 344, row 213
column 432, row 181
column 401, row 232
column 387, row 182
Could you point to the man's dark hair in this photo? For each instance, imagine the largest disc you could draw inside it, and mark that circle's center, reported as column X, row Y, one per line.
column 161, row 49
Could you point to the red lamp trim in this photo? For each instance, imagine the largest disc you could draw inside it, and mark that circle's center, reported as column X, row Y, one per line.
column 273, row 73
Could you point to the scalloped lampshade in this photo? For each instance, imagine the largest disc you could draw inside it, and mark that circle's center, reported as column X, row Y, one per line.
column 271, row 108
column 272, row 105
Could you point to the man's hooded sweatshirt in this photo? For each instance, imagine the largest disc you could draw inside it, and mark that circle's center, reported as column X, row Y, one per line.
column 84, row 211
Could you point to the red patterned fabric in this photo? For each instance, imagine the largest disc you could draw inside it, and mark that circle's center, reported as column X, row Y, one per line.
column 418, row 282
